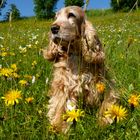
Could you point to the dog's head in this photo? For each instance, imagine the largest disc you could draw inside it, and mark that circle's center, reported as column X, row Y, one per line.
column 68, row 25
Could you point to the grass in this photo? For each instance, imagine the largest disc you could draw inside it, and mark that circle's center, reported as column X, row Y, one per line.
column 21, row 43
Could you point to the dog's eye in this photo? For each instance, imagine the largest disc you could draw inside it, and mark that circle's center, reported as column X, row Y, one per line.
column 70, row 15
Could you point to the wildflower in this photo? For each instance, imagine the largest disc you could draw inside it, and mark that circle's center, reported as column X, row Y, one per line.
column 23, row 82
column 12, row 97
column 3, row 54
column 22, row 49
column 34, row 63
column 73, row 115
column 100, row 87
column 135, row 40
column 116, row 112
column 36, row 42
column 121, row 56
column 6, row 72
column 14, row 67
column 134, row 100
column 9, row 72
column 33, row 79
column 29, row 46
column 70, row 105
column 2, row 48
column 39, row 112
column 29, row 99
column 15, row 75
column 47, row 80
column 1, row 37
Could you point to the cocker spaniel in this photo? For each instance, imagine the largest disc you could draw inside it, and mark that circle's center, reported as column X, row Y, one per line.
column 79, row 70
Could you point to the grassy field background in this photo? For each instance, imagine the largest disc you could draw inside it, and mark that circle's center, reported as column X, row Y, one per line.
column 21, row 44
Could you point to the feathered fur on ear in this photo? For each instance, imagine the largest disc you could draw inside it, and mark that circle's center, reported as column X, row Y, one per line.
column 92, row 47
column 91, row 37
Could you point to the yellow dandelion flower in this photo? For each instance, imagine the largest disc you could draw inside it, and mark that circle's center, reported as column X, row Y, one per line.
column 34, row 63
column 3, row 49
column 29, row 99
column 6, row 72
column 3, row 54
column 100, row 87
column 134, row 100
column 116, row 112
column 14, row 67
column 72, row 115
column 12, row 97
column 23, row 82
column 15, row 75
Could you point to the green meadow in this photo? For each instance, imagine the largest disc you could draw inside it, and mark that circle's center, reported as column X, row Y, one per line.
column 24, row 70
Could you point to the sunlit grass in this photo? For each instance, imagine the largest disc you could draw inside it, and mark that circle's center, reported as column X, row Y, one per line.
column 23, row 68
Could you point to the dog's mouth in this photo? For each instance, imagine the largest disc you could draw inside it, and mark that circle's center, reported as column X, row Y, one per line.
column 64, row 41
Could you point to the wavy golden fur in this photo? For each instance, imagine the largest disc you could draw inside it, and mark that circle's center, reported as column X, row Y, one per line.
column 78, row 60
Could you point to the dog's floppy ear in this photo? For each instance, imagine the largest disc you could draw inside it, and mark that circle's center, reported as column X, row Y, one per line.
column 91, row 37
column 92, row 47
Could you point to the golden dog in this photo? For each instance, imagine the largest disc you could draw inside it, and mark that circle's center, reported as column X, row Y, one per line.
column 78, row 60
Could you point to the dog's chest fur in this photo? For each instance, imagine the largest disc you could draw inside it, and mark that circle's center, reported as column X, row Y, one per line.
column 73, row 76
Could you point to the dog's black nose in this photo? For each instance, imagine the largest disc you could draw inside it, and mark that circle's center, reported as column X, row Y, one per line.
column 55, row 29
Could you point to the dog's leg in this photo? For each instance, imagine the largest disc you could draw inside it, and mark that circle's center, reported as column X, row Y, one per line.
column 59, row 104
column 58, row 99
column 56, row 109
column 63, row 97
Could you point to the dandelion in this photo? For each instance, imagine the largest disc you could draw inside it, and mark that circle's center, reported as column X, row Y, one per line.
column 34, row 63
column 3, row 54
column 14, row 67
column 23, row 82
column 29, row 99
column 73, row 115
column 134, row 100
column 12, row 97
column 15, row 75
column 9, row 72
column 116, row 112
column 100, row 87
column 6, row 72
